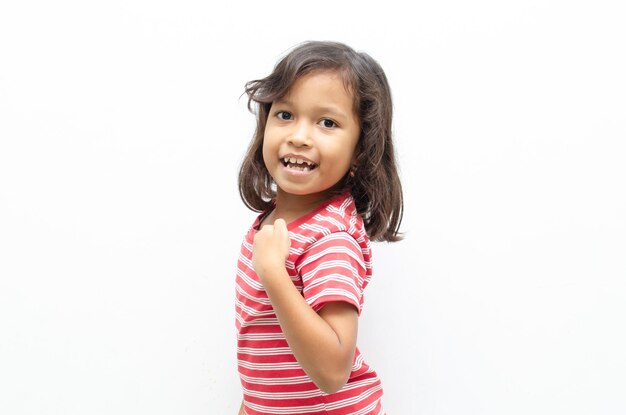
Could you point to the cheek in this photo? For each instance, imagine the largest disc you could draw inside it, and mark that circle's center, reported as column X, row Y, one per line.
column 270, row 153
column 345, row 154
column 269, row 142
column 340, row 165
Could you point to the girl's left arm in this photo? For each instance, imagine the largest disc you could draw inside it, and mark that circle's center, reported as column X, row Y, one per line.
column 323, row 342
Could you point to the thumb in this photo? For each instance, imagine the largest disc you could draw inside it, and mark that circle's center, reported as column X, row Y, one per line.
column 280, row 227
column 281, row 232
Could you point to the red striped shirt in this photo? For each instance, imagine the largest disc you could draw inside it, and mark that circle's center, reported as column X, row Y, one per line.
column 329, row 260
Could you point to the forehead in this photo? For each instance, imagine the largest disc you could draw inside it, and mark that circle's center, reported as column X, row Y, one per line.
column 321, row 86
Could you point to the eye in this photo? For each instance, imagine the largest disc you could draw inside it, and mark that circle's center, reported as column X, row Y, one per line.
column 328, row 123
column 284, row 115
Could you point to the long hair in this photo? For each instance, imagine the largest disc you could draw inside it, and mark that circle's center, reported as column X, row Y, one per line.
column 375, row 184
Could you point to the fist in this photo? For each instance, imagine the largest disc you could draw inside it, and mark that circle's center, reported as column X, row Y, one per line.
column 270, row 249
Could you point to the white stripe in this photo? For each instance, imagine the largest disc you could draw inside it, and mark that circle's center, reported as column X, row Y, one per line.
column 333, row 292
column 334, row 222
column 335, row 250
column 266, row 351
column 287, row 409
column 354, row 250
column 313, row 393
column 252, row 311
column 301, row 238
column 249, row 281
column 262, row 336
column 354, row 400
column 264, row 367
column 261, row 322
column 259, row 300
column 315, row 228
column 335, row 265
column 278, row 381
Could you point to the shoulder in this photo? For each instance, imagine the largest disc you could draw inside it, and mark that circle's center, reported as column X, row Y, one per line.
column 337, row 222
column 338, row 214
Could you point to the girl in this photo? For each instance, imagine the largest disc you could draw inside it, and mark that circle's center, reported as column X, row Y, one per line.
column 321, row 168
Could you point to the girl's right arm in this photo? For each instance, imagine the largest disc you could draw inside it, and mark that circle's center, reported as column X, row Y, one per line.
column 241, row 411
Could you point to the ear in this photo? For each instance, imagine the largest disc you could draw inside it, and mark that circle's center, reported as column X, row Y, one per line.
column 353, row 168
column 353, row 159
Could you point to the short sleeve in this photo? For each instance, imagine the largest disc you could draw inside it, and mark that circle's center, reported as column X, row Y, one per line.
column 333, row 269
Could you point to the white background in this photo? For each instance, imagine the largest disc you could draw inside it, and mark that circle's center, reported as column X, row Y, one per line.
column 121, row 132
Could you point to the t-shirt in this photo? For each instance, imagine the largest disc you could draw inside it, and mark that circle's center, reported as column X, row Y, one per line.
column 329, row 260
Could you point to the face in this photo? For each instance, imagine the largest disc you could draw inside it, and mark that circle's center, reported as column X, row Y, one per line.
column 310, row 136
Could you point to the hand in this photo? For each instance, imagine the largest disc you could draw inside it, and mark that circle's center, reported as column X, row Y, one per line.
column 270, row 249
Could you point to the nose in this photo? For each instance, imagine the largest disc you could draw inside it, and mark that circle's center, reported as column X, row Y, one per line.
column 300, row 135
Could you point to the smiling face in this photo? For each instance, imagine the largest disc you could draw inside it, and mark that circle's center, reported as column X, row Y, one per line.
column 310, row 136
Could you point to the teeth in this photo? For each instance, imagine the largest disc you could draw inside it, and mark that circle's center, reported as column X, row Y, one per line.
column 297, row 161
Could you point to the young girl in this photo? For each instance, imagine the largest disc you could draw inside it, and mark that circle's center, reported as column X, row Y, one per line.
column 321, row 168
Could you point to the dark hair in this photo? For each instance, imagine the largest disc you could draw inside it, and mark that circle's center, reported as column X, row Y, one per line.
column 375, row 187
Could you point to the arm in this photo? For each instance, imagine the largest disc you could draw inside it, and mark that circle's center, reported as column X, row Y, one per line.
column 323, row 343
column 241, row 410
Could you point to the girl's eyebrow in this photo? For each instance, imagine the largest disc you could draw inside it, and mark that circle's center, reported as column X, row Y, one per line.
column 334, row 111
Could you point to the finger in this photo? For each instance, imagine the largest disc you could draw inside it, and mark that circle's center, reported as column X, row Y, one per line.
column 262, row 234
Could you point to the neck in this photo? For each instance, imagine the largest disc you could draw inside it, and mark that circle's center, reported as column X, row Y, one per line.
column 291, row 207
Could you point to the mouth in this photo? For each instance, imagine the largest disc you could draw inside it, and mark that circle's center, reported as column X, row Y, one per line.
column 297, row 163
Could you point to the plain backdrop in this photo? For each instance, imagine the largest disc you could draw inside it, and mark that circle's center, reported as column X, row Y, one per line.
column 122, row 127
